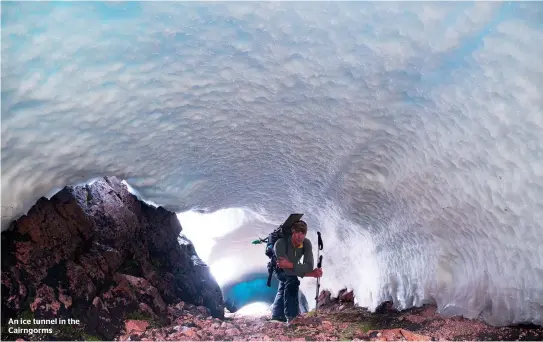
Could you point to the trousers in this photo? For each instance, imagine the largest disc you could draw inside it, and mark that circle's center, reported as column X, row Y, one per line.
column 285, row 305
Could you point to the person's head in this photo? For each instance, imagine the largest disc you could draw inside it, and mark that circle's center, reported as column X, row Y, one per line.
column 299, row 230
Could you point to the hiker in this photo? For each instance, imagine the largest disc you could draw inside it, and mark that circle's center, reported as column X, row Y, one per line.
column 289, row 251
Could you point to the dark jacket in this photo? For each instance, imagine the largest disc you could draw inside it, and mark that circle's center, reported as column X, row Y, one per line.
column 294, row 255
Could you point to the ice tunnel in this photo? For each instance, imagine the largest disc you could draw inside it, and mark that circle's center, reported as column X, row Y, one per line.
column 409, row 134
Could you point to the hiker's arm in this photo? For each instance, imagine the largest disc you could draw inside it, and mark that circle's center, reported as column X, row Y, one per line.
column 304, row 270
column 280, row 249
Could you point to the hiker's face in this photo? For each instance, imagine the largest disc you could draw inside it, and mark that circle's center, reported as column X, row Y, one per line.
column 298, row 237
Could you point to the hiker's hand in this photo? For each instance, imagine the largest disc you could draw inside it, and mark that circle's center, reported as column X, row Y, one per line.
column 284, row 263
column 317, row 272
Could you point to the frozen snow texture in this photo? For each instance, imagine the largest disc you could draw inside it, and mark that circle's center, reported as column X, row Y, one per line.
column 411, row 133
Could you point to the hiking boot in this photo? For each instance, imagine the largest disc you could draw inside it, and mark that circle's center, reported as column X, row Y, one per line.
column 280, row 319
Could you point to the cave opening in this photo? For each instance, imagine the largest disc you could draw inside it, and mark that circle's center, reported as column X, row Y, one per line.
column 222, row 239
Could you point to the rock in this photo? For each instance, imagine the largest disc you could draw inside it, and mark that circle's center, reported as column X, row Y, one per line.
column 140, row 290
column 135, row 327
column 231, row 332
column 64, row 299
column 146, row 309
column 346, row 297
column 96, row 253
column 397, row 335
column 103, row 320
column 411, row 336
column 45, row 304
column 324, row 298
column 392, row 334
column 176, row 310
column 203, row 311
column 274, row 325
column 385, row 307
column 190, row 332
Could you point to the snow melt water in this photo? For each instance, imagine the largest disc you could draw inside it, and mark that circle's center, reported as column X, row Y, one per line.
column 410, row 134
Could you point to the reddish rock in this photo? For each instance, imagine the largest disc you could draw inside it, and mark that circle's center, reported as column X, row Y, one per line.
column 64, row 299
column 189, row 332
column 14, row 292
column 146, row 309
column 324, row 298
column 232, row 332
column 80, row 284
column 135, row 327
column 346, row 297
column 23, row 252
column 396, row 335
column 139, row 290
column 96, row 253
column 45, row 304
column 176, row 310
column 411, row 336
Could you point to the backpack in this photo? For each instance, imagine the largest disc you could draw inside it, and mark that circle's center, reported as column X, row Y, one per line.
column 283, row 231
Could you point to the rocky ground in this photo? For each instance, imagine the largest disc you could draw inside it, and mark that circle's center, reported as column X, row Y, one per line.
column 335, row 321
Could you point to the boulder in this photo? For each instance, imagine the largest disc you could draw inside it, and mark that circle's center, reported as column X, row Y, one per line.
column 324, row 298
column 386, row 307
column 98, row 254
column 135, row 327
column 346, row 296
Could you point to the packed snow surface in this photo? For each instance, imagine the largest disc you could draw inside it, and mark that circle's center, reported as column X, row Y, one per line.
column 409, row 134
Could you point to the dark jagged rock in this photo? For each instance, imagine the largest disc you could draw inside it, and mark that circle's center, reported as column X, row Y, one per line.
column 324, row 298
column 346, row 296
column 385, row 307
column 98, row 254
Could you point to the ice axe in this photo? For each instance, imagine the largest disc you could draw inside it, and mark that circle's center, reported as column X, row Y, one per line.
column 319, row 265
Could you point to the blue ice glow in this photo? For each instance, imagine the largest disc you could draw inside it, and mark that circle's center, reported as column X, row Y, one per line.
column 410, row 134
column 250, row 289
